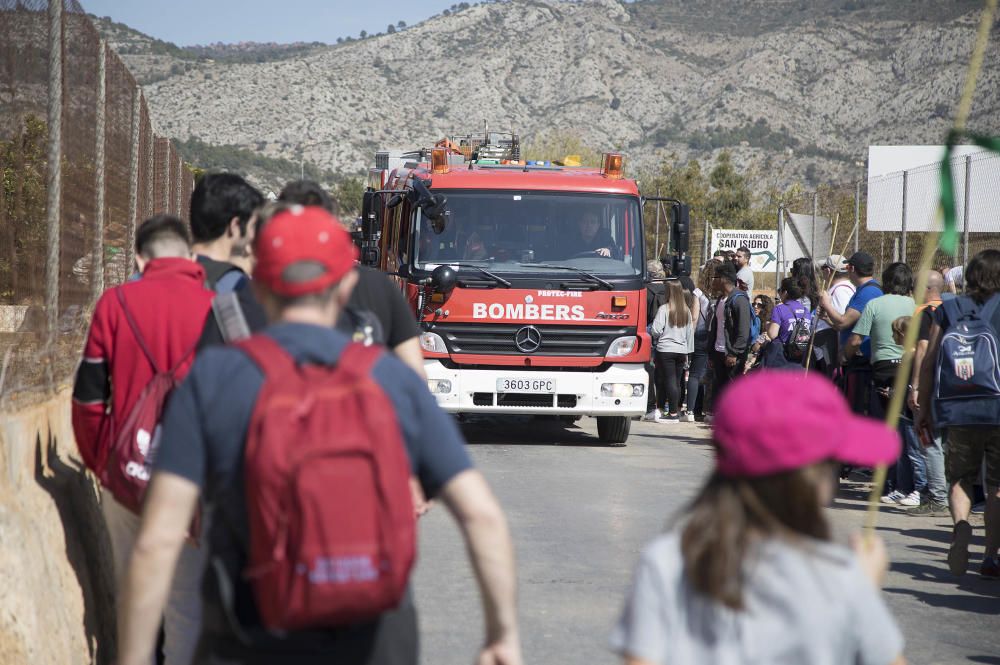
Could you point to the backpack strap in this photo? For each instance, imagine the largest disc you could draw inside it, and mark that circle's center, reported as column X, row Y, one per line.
column 267, row 354
column 989, row 308
column 357, row 361
column 142, row 340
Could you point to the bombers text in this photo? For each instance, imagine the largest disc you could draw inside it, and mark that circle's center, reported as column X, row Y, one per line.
column 481, row 310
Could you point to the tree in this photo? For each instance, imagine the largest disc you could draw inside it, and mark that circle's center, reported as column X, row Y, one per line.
column 731, row 197
column 391, row 29
column 348, row 194
column 364, row 34
column 556, row 146
column 401, row 24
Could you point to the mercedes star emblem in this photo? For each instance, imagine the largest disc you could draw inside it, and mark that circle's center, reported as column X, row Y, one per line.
column 528, row 339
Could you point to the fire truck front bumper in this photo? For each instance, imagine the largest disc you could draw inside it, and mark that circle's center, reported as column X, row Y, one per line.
column 620, row 390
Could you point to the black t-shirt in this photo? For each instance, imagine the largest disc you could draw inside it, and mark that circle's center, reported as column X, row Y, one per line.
column 655, row 296
column 926, row 319
column 374, row 297
column 377, row 294
column 687, row 283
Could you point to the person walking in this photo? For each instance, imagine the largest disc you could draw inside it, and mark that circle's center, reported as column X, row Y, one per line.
column 935, row 502
column 856, row 366
column 655, row 298
column 839, row 294
column 225, row 438
column 695, row 397
column 221, row 207
column 970, row 448
column 141, row 332
column 673, row 330
column 729, row 331
column 788, row 316
column 748, row 573
column 744, row 273
column 909, row 482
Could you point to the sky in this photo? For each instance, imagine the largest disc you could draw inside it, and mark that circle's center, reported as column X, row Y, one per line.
column 189, row 22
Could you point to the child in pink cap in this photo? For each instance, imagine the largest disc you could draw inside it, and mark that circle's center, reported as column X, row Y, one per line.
column 749, row 574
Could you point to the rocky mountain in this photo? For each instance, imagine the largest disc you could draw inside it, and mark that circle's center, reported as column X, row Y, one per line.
column 797, row 87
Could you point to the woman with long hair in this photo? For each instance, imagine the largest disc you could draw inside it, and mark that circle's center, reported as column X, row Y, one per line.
column 786, row 315
column 673, row 330
column 748, row 574
column 804, row 272
column 762, row 306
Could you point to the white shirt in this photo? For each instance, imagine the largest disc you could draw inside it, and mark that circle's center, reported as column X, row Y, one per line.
column 840, row 294
column 720, row 316
column 745, row 275
column 955, row 276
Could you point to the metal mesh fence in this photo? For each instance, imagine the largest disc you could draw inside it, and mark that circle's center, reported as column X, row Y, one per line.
column 53, row 65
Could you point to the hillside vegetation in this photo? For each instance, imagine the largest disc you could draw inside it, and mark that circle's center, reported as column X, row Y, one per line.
column 795, row 88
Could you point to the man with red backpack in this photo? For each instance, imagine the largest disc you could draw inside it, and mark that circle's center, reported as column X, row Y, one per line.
column 141, row 343
column 301, row 444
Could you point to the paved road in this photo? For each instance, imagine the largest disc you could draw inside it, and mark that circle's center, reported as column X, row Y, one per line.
column 581, row 512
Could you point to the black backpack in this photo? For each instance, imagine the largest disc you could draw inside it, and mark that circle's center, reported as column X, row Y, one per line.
column 797, row 344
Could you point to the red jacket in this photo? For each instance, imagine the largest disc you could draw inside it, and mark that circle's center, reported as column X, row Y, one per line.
column 169, row 304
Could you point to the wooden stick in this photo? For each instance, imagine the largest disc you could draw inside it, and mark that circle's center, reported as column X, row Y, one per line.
column 926, row 263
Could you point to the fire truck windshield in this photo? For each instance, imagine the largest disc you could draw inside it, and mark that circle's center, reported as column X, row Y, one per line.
column 505, row 230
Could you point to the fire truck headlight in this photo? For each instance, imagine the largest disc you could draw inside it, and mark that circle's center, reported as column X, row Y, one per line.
column 622, row 390
column 622, row 346
column 433, row 343
column 439, row 386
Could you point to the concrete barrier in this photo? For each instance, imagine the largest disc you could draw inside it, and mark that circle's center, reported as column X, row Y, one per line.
column 56, row 579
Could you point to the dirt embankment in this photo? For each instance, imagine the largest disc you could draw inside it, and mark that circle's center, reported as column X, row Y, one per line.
column 56, row 582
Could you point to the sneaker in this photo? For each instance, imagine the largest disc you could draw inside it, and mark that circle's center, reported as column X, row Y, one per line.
column 689, row 417
column 911, row 500
column 930, row 509
column 652, row 416
column 958, row 553
column 669, row 418
column 990, row 568
column 893, row 497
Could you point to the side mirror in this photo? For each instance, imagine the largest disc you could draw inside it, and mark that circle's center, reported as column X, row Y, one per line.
column 680, row 217
column 371, row 222
column 444, row 279
column 370, row 256
column 434, row 206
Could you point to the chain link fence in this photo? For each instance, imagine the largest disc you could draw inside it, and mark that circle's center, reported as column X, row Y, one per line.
column 81, row 167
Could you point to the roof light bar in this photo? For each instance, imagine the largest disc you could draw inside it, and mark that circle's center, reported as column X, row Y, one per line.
column 613, row 165
column 439, row 160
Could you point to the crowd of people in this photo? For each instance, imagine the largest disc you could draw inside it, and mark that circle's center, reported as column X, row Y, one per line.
column 849, row 326
column 244, row 532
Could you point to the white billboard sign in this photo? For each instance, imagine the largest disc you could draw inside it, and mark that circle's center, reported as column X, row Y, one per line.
column 763, row 246
column 921, row 164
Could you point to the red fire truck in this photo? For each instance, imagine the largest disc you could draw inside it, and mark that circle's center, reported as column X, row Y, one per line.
column 527, row 278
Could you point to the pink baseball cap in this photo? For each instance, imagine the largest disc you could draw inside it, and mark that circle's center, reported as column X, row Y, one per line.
column 774, row 421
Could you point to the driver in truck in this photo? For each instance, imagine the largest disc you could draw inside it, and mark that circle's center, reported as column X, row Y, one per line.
column 591, row 238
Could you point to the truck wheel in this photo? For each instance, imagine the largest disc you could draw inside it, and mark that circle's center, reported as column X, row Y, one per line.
column 613, row 429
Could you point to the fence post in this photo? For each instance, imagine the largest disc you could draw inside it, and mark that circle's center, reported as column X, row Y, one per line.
column 857, row 215
column 150, row 172
column 180, row 185
column 965, row 217
column 704, row 252
column 812, row 240
column 656, row 234
column 53, row 178
column 133, row 181
column 903, row 252
column 777, row 250
column 97, row 257
column 166, row 178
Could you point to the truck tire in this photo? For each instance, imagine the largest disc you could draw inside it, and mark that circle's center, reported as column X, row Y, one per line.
column 613, row 429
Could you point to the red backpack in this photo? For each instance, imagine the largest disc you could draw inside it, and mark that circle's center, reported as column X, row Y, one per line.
column 332, row 527
column 125, row 471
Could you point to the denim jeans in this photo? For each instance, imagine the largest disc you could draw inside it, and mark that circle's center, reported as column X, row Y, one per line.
column 911, row 471
column 937, row 485
column 699, row 366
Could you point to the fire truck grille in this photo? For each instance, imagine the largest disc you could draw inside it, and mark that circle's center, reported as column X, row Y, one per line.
column 498, row 339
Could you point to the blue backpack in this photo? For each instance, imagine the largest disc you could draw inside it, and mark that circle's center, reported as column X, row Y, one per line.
column 967, row 380
column 754, row 319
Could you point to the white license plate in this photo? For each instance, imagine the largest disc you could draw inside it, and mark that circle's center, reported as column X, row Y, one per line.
column 512, row 385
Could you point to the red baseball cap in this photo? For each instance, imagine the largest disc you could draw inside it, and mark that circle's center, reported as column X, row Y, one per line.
column 774, row 421
column 300, row 234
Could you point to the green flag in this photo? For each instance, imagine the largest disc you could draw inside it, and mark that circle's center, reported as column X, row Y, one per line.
column 949, row 237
